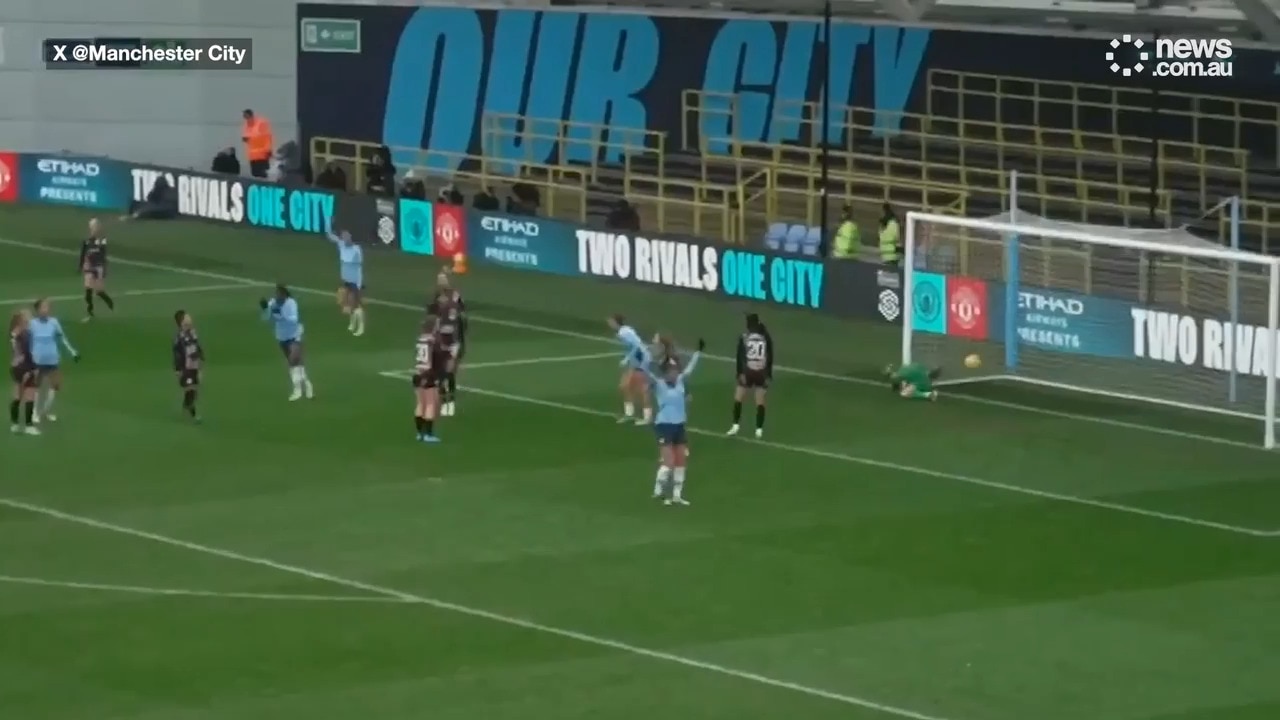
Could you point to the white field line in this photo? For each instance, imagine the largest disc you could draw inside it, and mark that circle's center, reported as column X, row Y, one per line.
column 539, row 361
column 886, row 465
column 1109, row 422
column 135, row 293
column 381, row 592
column 184, row 592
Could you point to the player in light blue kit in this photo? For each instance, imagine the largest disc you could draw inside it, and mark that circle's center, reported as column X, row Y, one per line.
column 671, row 395
column 47, row 339
column 635, row 368
column 282, row 312
column 351, row 274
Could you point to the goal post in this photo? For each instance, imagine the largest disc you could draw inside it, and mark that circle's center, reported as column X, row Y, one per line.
column 1150, row 316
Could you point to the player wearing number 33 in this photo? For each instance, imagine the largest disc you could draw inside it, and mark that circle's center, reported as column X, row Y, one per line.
column 754, row 371
column 670, row 395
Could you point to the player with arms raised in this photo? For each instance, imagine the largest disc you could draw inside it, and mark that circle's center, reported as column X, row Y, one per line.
column 670, row 392
column 283, row 314
column 93, row 267
column 351, row 279
column 450, row 312
column 635, row 367
column 426, row 391
column 22, row 371
column 188, row 360
column 754, row 371
column 913, row 381
column 47, row 341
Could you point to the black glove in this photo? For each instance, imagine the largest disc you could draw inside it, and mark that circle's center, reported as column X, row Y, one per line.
column 702, row 344
column 262, row 304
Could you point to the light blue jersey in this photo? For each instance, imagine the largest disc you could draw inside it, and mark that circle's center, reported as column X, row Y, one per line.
column 284, row 316
column 46, row 337
column 636, row 353
column 671, row 398
column 350, row 262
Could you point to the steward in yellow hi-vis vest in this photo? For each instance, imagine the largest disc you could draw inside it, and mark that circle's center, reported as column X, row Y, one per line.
column 889, row 236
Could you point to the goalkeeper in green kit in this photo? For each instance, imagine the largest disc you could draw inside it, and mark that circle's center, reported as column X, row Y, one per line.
column 913, row 381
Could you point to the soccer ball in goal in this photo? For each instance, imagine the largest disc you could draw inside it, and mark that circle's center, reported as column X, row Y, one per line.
column 1152, row 316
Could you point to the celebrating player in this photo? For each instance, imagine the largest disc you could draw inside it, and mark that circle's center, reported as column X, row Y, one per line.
column 351, row 275
column 93, row 267
column 282, row 312
column 46, row 337
column 755, row 371
column 635, row 365
column 426, row 391
column 22, row 371
column 450, row 312
column 188, row 359
column 913, row 381
column 670, row 427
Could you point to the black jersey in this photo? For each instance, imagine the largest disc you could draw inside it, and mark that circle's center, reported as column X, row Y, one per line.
column 93, row 253
column 755, row 353
column 451, row 311
column 20, row 363
column 188, row 353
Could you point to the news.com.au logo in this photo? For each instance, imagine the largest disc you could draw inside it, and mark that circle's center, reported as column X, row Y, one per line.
column 1174, row 57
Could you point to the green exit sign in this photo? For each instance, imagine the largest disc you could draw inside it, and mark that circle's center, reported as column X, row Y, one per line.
column 335, row 35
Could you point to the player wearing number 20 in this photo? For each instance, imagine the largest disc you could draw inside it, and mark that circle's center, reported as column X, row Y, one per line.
column 754, row 371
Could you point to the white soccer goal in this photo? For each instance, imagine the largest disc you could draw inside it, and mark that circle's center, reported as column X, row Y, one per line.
column 1156, row 316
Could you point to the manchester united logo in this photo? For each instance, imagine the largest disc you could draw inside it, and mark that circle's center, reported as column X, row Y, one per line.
column 448, row 234
column 6, row 176
column 966, row 307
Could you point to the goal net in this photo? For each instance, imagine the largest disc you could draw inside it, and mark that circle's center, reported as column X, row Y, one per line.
column 1158, row 316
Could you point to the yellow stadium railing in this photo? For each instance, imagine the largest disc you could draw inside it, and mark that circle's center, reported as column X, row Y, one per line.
column 563, row 190
column 505, row 133
column 1111, row 111
column 943, row 144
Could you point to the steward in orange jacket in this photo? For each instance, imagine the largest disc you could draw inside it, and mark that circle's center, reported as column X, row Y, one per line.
column 256, row 133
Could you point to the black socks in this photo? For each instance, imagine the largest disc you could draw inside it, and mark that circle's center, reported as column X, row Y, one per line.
column 111, row 304
column 759, row 417
column 15, row 409
column 189, row 402
column 737, row 412
column 88, row 302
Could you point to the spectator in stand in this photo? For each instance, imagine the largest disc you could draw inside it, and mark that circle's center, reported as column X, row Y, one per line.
column 623, row 217
column 527, row 197
column 161, row 203
column 449, row 195
column 381, row 178
column 332, row 177
column 413, row 187
column 486, row 201
column 226, row 162
column 258, row 143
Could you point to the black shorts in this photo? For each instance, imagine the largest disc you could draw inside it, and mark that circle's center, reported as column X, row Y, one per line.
column 23, row 375
column 96, row 272
column 755, row 380
column 425, row 380
column 352, row 287
column 188, row 379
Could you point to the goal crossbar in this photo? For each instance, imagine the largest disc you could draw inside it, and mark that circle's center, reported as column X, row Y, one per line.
column 1008, row 240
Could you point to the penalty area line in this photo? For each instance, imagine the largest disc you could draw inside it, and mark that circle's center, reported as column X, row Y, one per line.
column 190, row 593
column 383, row 592
column 897, row 467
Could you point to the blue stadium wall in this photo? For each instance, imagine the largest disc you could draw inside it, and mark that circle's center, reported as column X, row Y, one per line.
column 425, row 76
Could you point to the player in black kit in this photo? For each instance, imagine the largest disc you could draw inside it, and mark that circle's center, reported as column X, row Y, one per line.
column 188, row 360
column 93, row 267
column 22, row 371
column 450, row 312
column 754, row 371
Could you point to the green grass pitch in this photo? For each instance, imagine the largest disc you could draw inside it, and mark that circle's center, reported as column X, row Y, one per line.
column 1007, row 555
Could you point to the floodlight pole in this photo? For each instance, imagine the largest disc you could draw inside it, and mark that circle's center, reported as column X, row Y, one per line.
column 825, row 128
